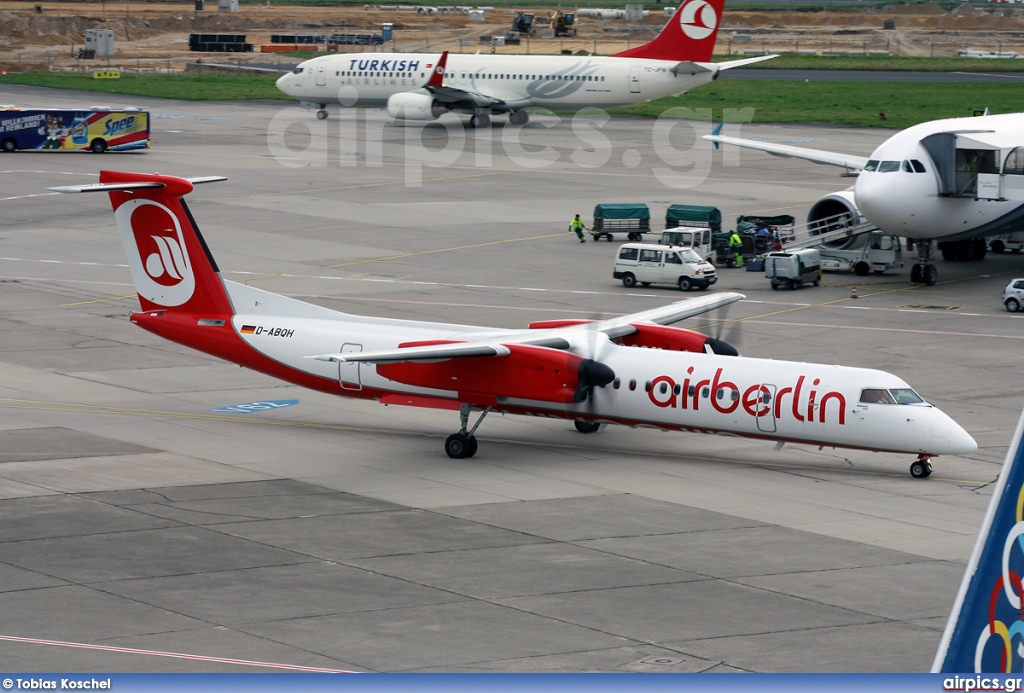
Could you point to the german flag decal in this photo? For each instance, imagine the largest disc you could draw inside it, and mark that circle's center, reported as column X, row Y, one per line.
column 248, row 329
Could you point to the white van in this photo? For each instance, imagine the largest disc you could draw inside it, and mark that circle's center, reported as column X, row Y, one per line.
column 662, row 264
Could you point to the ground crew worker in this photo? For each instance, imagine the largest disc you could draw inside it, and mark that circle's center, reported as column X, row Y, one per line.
column 736, row 247
column 576, row 225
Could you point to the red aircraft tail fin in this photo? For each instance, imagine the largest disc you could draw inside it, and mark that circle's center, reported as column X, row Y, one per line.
column 437, row 77
column 171, row 265
column 688, row 36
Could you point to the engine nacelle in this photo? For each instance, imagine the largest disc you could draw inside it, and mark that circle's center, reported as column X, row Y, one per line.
column 415, row 106
column 832, row 212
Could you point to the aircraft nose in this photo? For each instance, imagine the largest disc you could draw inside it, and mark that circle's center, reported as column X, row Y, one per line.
column 949, row 438
column 961, row 441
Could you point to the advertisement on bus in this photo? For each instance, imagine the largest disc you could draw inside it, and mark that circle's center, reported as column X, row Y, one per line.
column 96, row 130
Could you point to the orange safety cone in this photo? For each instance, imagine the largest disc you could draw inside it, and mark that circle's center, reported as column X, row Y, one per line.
column 854, row 294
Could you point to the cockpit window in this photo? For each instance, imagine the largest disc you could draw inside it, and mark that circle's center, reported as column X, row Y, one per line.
column 888, row 166
column 918, row 166
column 297, row 71
column 904, row 395
column 898, row 395
column 906, row 167
column 872, row 165
column 876, row 396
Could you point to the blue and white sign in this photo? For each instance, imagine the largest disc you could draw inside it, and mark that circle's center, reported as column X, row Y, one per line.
column 249, row 408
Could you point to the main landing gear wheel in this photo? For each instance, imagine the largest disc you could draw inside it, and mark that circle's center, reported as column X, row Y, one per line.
column 587, row 426
column 321, row 114
column 480, row 120
column 921, row 468
column 519, row 118
column 464, row 444
column 459, row 446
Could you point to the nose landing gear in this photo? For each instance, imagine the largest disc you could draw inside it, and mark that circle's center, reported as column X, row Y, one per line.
column 922, row 467
column 464, row 444
column 923, row 272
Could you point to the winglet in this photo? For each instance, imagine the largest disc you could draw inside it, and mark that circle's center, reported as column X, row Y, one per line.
column 437, row 78
column 718, row 131
column 983, row 632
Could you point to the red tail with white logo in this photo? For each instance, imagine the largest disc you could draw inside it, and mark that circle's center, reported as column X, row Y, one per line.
column 172, row 268
column 688, row 36
column 437, row 76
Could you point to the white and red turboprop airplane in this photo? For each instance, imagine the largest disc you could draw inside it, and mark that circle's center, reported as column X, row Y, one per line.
column 423, row 86
column 634, row 370
column 954, row 181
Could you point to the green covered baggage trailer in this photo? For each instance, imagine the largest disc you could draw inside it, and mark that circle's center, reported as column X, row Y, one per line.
column 632, row 219
column 695, row 216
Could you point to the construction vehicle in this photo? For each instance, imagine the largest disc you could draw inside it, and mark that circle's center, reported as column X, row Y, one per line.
column 563, row 23
column 523, row 24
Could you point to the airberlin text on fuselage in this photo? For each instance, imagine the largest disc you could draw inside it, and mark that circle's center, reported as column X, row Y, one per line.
column 385, row 65
column 805, row 403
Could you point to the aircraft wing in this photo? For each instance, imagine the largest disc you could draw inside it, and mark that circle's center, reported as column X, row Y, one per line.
column 556, row 338
column 818, row 156
column 665, row 315
column 691, row 68
column 461, row 97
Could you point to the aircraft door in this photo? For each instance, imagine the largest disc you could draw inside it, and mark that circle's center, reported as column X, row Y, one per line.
column 348, row 373
column 634, row 80
column 321, row 74
column 766, row 404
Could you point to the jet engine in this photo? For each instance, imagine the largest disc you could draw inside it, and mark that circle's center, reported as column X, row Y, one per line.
column 415, row 106
column 833, row 212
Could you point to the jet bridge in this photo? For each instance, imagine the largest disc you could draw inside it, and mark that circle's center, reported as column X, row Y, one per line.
column 970, row 164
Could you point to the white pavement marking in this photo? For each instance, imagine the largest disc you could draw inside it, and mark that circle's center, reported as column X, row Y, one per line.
column 175, row 655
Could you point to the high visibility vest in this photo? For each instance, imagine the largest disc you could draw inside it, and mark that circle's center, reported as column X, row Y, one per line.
column 577, row 223
column 735, row 240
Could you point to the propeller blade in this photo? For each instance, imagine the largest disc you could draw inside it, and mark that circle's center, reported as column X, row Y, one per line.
column 725, row 333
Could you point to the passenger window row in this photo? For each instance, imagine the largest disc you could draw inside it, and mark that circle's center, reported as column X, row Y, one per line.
column 677, row 389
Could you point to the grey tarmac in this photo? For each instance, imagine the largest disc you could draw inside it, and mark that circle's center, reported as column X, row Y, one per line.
column 337, row 534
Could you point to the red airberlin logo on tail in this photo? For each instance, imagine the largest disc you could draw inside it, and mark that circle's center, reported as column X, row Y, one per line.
column 698, row 19
column 160, row 266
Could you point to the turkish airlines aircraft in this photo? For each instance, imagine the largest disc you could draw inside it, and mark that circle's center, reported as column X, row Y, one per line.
column 423, row 86
column 633, row 370
column 955, row 181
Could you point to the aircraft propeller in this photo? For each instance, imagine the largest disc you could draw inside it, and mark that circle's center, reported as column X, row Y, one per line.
column 725, row 333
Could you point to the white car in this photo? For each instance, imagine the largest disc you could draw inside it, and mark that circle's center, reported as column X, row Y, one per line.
column 1013, row 295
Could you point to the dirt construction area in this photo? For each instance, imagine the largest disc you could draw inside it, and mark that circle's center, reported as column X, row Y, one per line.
column 154, row 36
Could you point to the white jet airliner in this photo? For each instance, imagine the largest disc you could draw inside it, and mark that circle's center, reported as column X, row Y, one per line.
column 634, row 370
column 955, row 181
column 423, row 86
